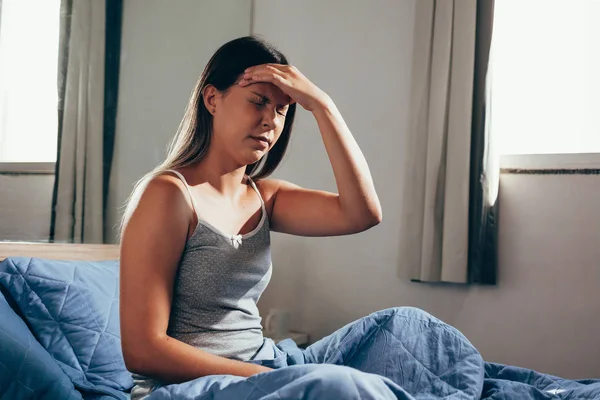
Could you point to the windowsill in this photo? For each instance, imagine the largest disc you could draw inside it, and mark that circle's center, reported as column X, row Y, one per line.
column 27, row 168
column 551, row 164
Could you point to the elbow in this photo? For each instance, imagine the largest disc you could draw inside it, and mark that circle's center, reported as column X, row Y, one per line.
column 372, row 217
column 362, row 218
column 375, row 213
column 375, row 217
column 378, row 219
column 134, row 362
column 138, row 357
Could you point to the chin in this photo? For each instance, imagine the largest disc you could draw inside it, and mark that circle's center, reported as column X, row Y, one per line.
column 253, row 156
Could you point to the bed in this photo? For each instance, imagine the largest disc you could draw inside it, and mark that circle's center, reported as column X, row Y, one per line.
column 60, row 339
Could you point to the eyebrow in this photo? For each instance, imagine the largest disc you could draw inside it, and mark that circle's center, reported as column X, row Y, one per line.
column 267, row 99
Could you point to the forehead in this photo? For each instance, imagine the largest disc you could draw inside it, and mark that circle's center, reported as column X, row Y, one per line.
column 272, row 92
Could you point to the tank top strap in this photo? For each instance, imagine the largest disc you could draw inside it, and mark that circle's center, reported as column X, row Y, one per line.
column 182, row 178
column 253, row 185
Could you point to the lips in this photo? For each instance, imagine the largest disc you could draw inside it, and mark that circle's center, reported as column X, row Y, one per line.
column 261, row 141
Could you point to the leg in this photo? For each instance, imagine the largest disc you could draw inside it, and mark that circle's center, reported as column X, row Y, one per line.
column 412, row 348
column 308, row 382
column 317, row 382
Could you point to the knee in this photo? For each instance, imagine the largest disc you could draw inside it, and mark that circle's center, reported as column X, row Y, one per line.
column 406, row 321
column 404, row 312
column 414, row 312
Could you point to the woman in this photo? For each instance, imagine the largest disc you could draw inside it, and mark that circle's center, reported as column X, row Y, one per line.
column 195, row 253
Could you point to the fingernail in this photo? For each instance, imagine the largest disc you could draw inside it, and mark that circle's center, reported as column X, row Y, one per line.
column 247, row 69
column 246, row 76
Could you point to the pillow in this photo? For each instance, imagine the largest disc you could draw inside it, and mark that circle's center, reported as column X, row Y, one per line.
column 26, row 369
column 72, row 308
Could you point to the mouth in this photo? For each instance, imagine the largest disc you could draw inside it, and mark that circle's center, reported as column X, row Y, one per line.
column 263, row 141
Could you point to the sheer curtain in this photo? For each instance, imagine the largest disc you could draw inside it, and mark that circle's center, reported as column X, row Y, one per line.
column 88, row 86
column 448, row 148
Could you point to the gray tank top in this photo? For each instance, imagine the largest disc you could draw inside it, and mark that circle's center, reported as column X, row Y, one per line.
column 218, row 283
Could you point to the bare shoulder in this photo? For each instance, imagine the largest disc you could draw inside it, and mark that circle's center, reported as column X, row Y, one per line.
column 270, row 187
column 166, row 187
column 161, row 197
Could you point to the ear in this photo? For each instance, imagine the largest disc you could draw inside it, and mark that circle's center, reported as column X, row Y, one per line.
column 209, row 96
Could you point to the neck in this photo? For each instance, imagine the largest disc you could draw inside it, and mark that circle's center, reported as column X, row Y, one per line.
column 220, row 172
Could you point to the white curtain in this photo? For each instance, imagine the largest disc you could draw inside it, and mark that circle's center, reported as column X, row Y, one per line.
column 435, row 223
column 78, row 199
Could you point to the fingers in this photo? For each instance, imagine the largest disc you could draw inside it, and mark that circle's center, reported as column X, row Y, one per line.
column 264, row 73
column 279, row 69
column 277, row 74
column 268, row 67
column 273, row 78
column 280, row 75
column 263, row 70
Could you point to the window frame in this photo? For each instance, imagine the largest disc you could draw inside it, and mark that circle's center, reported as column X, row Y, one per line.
column 27, row 168
column 551, row 164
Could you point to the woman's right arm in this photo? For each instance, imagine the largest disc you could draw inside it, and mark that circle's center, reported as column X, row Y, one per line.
column 151, row 245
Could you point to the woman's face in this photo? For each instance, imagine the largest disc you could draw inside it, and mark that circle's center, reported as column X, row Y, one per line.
column 247, row 121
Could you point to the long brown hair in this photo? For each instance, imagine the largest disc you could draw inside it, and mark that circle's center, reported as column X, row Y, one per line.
column 192, row 140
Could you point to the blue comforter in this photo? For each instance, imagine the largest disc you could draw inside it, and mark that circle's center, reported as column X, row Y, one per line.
column 399, row 353
column 501, row 383
column 59, row 339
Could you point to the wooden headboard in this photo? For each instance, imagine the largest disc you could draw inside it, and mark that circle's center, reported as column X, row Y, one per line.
column 60, row 251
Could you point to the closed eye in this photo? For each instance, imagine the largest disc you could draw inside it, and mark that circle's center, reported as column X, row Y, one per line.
column 260, row 103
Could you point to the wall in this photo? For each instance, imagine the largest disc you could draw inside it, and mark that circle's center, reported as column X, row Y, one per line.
column 544, row 312
column 163, row 52
column 549, row 226
column 25, row 203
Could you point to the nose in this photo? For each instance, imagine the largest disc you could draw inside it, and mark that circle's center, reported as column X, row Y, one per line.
column 269, row 120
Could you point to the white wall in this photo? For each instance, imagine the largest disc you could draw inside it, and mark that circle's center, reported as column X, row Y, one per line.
column 361, row 55
column 544, row 313
column 25, row 203
column 164, row 49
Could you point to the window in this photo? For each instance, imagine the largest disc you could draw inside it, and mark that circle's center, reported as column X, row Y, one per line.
column 29, row 33
column 545, row 83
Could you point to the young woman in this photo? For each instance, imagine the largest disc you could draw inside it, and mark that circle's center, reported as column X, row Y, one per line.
column 195, row 248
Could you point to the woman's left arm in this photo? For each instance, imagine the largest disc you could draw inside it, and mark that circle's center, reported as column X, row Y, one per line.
column 306, row 212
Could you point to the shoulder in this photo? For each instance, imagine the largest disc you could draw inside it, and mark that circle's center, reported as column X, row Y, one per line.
column 163, row 195
column 165, row 189
column 270, row 187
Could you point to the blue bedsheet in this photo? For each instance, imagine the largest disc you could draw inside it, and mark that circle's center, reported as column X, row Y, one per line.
column 305, row 382
column 503, row 382
column 59, row 339
column 399, row 353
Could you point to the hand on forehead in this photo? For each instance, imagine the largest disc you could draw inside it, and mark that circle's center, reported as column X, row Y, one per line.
column 273, row 93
